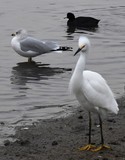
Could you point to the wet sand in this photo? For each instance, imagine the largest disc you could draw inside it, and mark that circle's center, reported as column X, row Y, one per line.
column 59, row 139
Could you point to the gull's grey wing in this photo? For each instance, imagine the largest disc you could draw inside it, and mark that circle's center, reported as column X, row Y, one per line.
column 32, row 44
column 52, row 45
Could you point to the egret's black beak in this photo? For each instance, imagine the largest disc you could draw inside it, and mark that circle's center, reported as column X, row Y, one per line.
column 79, row 49
column 13, row 34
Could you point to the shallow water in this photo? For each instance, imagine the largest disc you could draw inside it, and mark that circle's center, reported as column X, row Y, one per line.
column 32, row 92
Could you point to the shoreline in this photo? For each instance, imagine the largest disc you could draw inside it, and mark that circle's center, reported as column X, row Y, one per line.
column 60, row 138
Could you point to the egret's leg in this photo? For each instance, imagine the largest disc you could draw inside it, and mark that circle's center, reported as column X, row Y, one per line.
column 89, row 146
column 101, row 130
column 103, row 146
column 90, row 127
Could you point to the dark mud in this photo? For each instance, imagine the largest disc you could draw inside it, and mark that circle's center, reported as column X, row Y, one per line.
column 59, row 139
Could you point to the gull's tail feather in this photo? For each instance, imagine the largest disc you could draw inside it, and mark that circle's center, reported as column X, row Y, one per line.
column 64, row 48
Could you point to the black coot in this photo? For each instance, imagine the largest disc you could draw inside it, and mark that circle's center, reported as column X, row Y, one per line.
column 81, row 22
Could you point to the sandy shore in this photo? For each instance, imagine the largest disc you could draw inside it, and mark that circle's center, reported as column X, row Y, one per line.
column 59, row 139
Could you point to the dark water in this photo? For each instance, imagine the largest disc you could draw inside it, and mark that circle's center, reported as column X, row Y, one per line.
column 32, row 92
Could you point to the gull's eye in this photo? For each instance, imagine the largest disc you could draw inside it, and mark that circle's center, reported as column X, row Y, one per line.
column 18, row 32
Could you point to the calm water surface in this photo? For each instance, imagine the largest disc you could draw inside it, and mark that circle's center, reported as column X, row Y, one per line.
column 32, row 92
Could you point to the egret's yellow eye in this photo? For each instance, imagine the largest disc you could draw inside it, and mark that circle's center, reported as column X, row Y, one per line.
column 82, row 46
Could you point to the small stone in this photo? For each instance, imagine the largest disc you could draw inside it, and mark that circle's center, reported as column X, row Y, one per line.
column 111, row 120
column 6, row 142
column 105, row 159
column 110, row 128
column 80, row 117
column 23, row 142
column 54, row 143
column 2, row 123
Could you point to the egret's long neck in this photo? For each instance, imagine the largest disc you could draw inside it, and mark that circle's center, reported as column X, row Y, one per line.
column 77, row 76
column 80, row 66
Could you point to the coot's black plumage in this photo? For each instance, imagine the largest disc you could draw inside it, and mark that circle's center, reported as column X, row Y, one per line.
column 85, row 22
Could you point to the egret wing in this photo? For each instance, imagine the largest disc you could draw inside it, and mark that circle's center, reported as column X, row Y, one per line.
column 97, row 91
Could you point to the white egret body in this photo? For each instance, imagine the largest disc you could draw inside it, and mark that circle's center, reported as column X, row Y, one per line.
column 91, row 89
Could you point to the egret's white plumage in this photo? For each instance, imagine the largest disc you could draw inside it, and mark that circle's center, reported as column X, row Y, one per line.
column 29, row 47
column 90, row 88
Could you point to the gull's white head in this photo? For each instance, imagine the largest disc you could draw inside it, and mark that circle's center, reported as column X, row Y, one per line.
column 84, row 44
column 20, row 34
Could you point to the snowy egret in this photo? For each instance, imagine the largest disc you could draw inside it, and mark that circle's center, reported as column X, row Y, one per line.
column 85, row 22
column 92, row 92
column 29, row 47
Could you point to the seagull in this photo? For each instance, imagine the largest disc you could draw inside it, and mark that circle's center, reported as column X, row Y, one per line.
column 29, row 47
column 92, row 92
column 81, row 22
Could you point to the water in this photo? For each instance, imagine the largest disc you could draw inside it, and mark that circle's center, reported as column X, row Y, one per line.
column 32, row 92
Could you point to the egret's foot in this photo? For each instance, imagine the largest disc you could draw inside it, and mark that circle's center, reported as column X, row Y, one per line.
column 88, row 147
column 102, row 147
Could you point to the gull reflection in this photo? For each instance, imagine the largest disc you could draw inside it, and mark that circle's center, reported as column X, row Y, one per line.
column 26, row 72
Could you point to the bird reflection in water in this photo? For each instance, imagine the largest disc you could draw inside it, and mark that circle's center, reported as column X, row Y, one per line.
column 26, row 72
column 73, row 29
